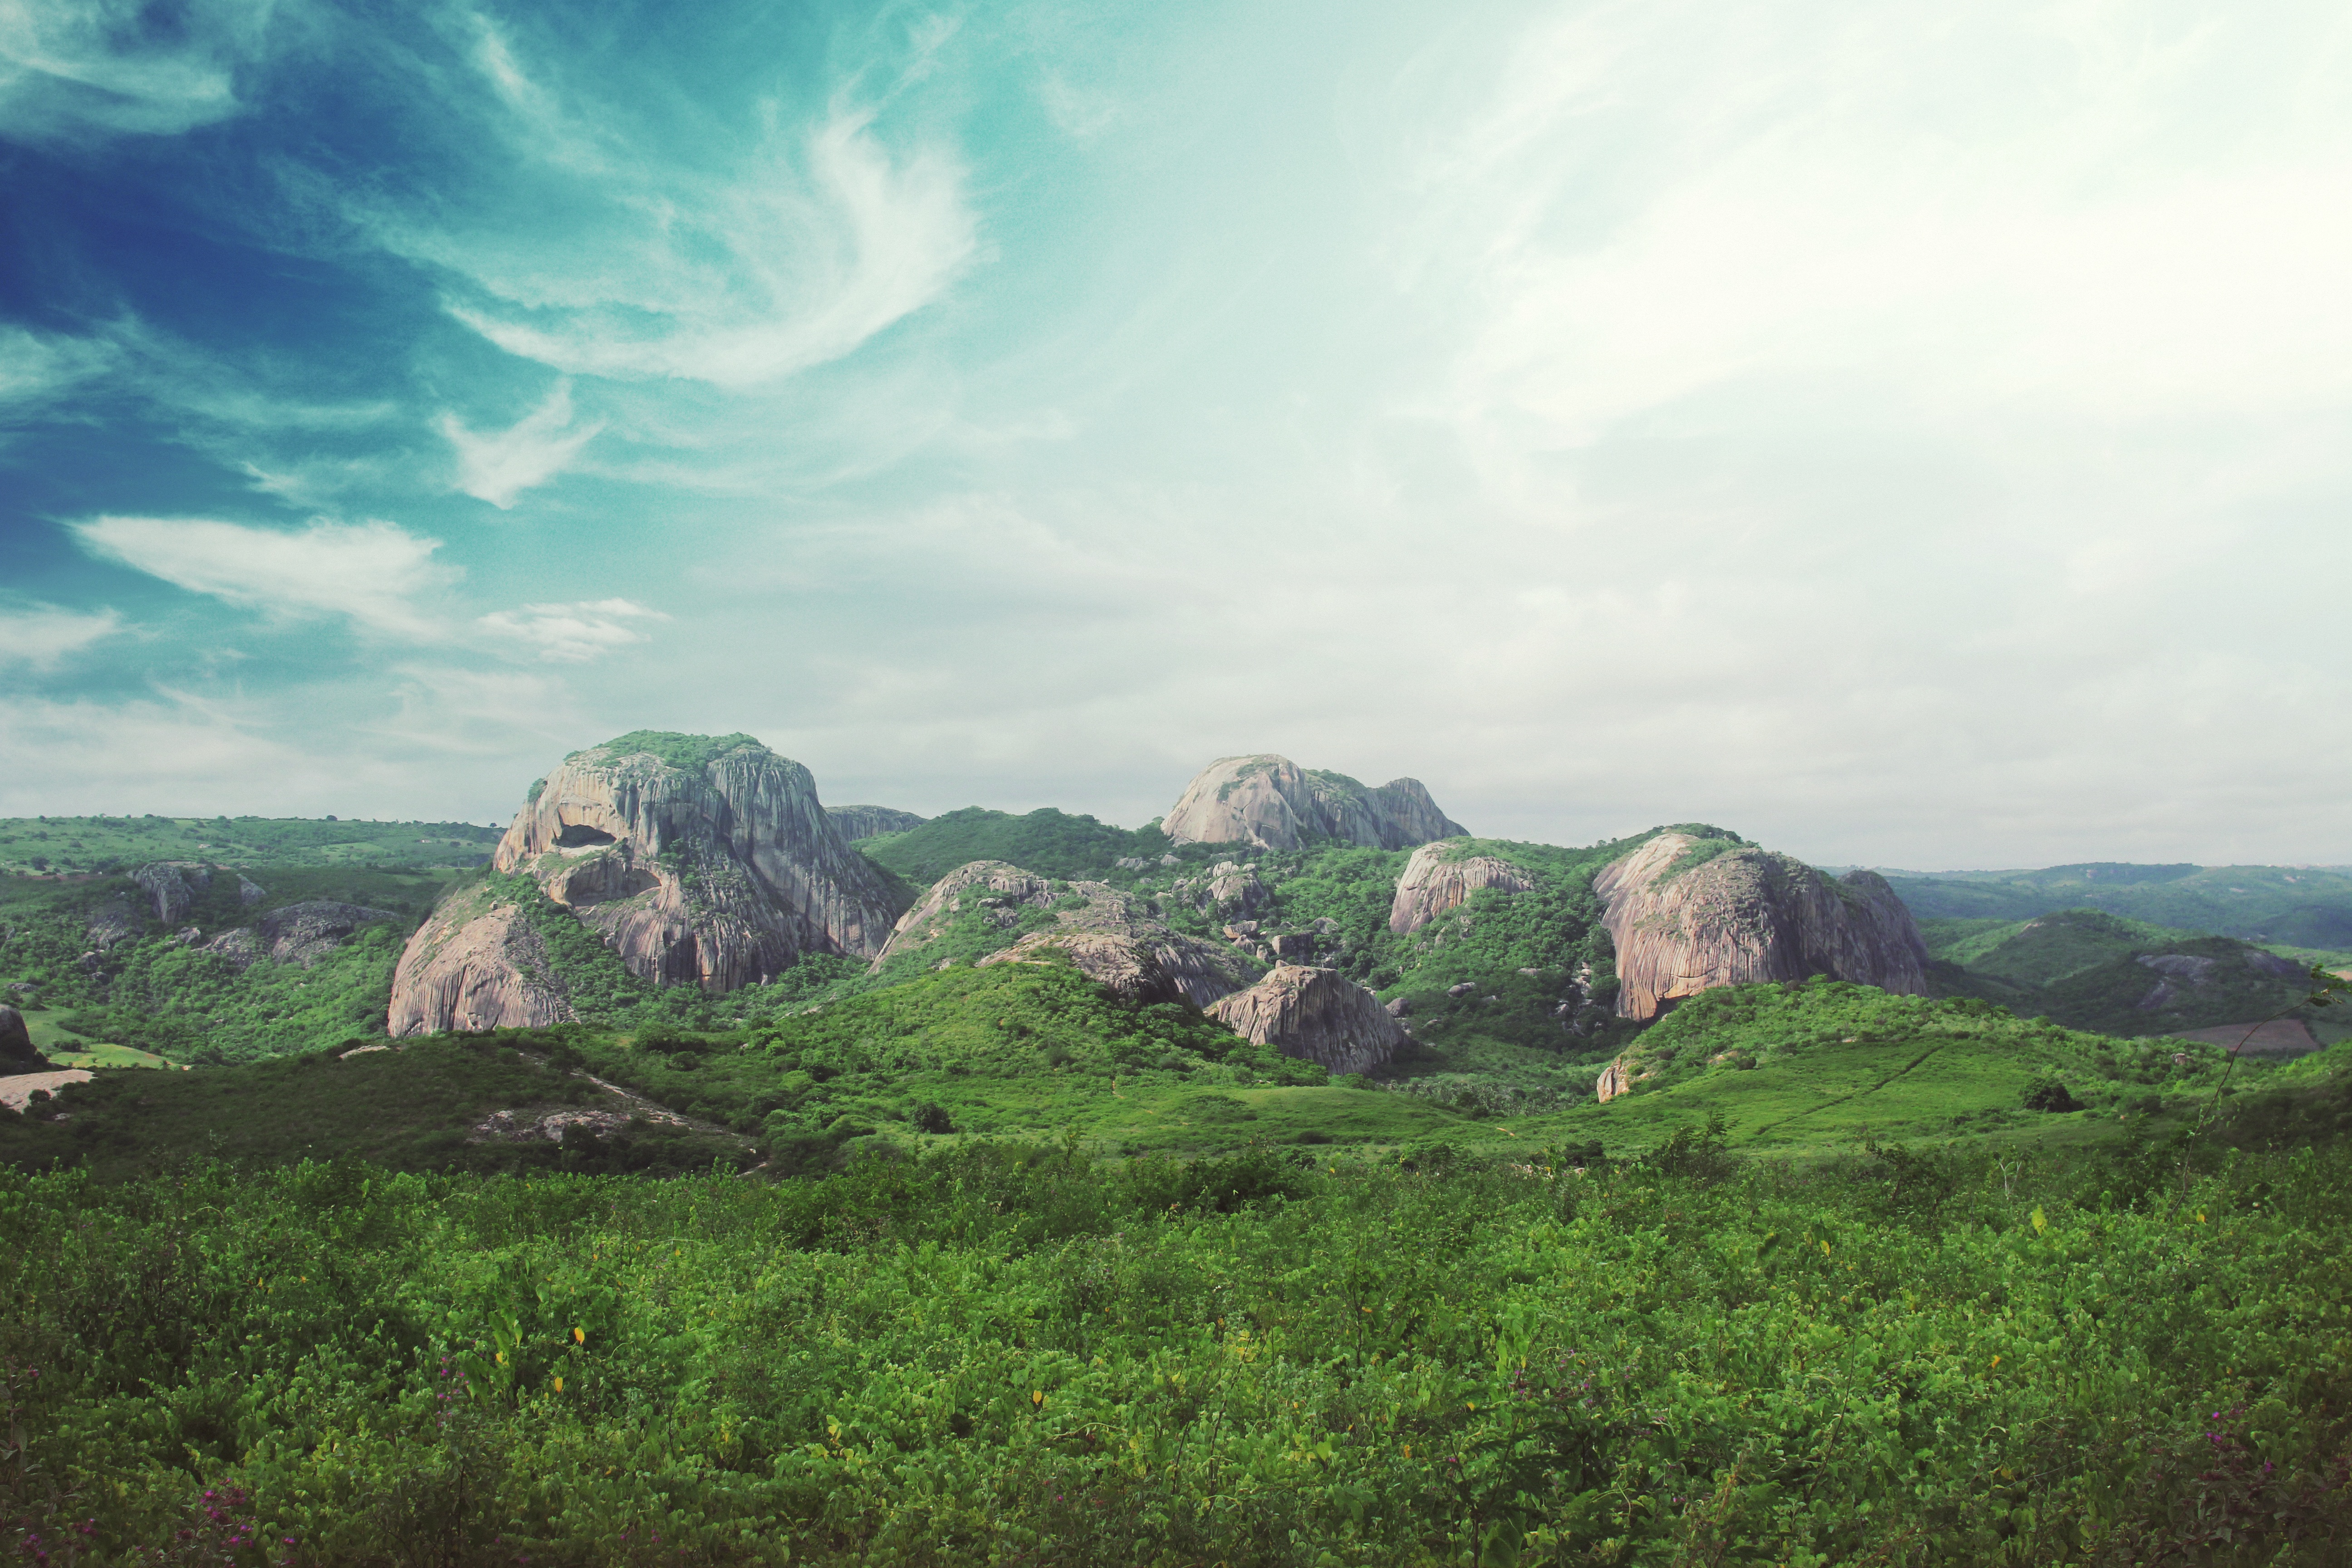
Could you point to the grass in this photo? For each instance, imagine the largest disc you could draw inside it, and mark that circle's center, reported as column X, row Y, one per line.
column 1046, row 843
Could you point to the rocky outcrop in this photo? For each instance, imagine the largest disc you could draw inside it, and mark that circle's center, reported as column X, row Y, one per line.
column 856, row 822
column 1315, row 1014
column 110, row 923
column 1614, row 1080
column 297, row 933
column 701, row 861
column 995, row 888
column 174, row 886
column 1115, row 937
column 477, row 963
column 16, row 1052
column 1271, row 801
column 2183, row 973
column 1436, row 883
column 1236, row 890
column 1746, row 915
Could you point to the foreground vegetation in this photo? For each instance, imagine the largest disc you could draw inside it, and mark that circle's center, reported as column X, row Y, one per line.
column 1012, row 1354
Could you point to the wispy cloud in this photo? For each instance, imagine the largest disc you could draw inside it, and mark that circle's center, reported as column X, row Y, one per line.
column 100, row 68
column 35, row 367
column 736, row 267
column 499, row 466
column 371, row 572
column 42, row 634
column 572, row 633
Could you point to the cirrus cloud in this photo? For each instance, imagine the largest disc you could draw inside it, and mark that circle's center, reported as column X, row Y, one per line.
column 369, row 572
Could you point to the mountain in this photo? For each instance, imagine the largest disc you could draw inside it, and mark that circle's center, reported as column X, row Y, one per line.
column 1688, row 914
column 700, row 860
column 1272, row 802
column 861, row 822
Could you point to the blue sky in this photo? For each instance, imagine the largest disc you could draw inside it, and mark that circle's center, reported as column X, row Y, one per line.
column 1909, row 436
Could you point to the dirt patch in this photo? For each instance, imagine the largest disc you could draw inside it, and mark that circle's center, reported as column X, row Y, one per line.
column 2282, row 1038
column 16, row 1090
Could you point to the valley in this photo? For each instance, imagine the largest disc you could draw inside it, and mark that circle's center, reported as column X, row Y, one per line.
column 1298, row 1167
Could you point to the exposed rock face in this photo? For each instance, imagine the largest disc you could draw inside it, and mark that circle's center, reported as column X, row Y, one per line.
column 174, row 885
column 2182, row 972
column 856, row 822
column 718, row 867
column 1113, row 937
column 1237, row 890
column 110, row 923
column 476, row 964
column 16, row 1052
column 1316, row 1015
column 1611, row 1083
column 1432, row 885
column 298, row 933
column 1271, row 801
column 1748, row 915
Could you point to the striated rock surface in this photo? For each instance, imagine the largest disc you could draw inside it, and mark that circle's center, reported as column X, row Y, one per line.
column 298, row 933
column 1271, row 801
column 856, row 822
column 1436, row 885
column 476, row 964
column 1114, row 937
column 1238, row 891
column 701, row 860
column 110, row 923
column 1748, row 915
column 16, row 1052
column 1315, row 1014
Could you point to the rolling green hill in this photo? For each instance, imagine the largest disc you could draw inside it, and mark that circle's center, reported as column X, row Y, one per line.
column 2301, row 906
column 1046, row 842
column 83, row 846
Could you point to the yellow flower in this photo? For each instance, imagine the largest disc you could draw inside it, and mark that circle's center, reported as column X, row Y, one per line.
column 502, row 1358
column 559, row 1385
column 1996, row 1363
column 578, row 1336
column 1037, row 1398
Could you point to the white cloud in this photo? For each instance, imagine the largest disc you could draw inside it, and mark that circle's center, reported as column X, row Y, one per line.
column 103, row 67
column 371, row 572
column 797, row 255
column 501, row 465
column 38, row 367
column 572, row 633
column 42, row 634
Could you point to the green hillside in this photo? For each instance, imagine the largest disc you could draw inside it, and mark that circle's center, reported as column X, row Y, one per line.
column 2301, row 906
column 2091, row 970
column 83, row 846
column 1046, row 842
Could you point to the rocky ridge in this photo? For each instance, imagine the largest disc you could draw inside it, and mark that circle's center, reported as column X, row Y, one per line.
column 175, row 885
column 1434, row 884
column 856, row 822
column 1745, row 915
column 701, row 861
column 1271, row 801
column 1316, row 1015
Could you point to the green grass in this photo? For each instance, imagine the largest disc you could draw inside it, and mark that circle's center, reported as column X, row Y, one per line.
column 692, row 753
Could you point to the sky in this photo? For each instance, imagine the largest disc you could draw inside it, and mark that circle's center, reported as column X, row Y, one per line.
column 1905, row 436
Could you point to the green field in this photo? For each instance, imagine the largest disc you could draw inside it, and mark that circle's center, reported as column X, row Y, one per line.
column 87, row 844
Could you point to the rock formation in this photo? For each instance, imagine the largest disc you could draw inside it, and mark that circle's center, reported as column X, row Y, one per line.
column 1434, row 885
column 1746, row 915
column 176, row 885
column 857, row 822
column 16, row 1052
column 1271, row 801
column 297, row 933
column 1316, row 1015
column 1613, row 1081
column 701, row 861
column 1114, row 937
column 477, row 963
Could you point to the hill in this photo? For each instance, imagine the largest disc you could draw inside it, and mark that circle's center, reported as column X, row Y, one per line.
column 2301, row 906
column 1047, row 842
column 84, row 845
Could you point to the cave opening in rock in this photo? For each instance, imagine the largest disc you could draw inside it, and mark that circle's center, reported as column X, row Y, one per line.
column 578, row 835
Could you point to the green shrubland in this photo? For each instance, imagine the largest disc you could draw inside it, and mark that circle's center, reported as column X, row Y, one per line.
column 1008, row 1354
